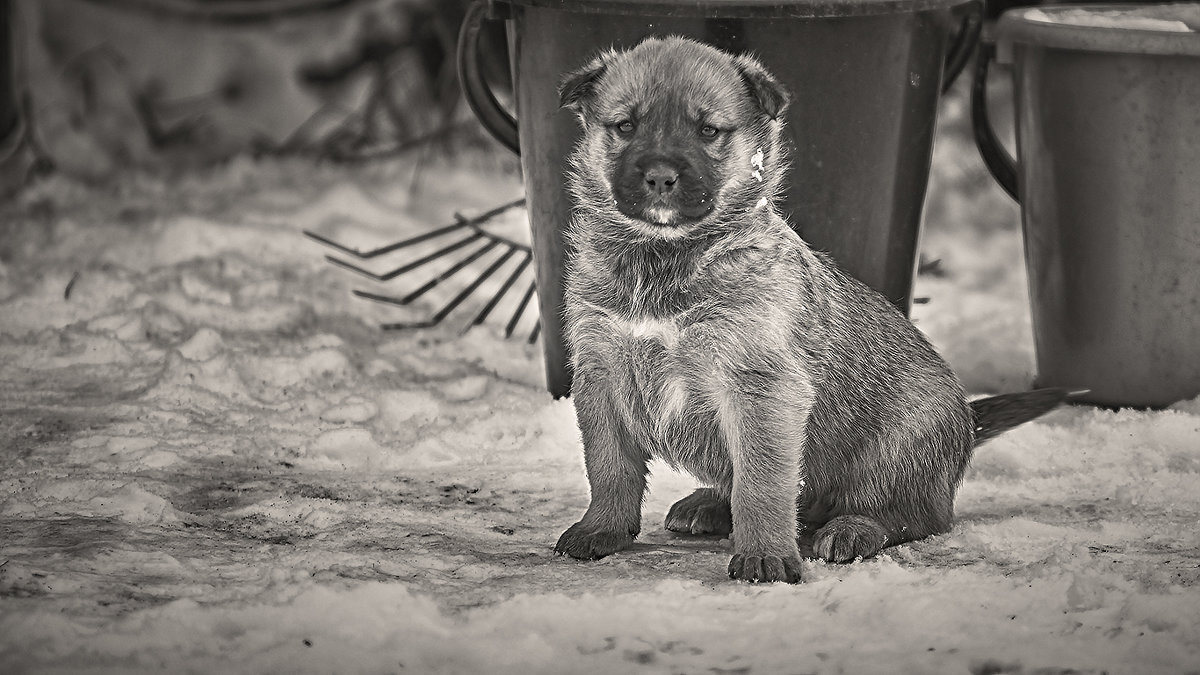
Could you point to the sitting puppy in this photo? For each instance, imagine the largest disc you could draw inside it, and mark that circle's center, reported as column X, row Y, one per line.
column 705, row 332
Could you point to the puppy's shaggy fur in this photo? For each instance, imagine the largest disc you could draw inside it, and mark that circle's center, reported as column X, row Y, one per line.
column 705, row 332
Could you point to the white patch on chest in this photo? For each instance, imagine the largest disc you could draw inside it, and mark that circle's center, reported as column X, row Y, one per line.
column 674, row 398
column 663, row 330
column 665, row 390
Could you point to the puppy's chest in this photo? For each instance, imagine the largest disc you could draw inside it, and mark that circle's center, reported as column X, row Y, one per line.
column 656, row 359
column 658, row 375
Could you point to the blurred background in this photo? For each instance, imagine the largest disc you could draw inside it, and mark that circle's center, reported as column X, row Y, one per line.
column 90, row 86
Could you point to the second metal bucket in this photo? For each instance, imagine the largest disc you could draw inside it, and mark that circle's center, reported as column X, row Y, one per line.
column 865, row 76
column 1108, row 175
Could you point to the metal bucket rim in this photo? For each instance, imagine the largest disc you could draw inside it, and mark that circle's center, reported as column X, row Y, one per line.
column 740, row 9
column 1022, row 26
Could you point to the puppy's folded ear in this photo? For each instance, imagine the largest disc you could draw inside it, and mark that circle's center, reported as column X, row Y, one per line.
column 766, row 91
column 578, row 88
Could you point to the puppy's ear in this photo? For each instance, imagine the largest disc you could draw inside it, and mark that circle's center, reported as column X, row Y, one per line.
column 771, row 97
column 578, row 88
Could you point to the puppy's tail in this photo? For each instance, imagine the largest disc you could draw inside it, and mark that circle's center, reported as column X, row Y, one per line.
column 997, row 414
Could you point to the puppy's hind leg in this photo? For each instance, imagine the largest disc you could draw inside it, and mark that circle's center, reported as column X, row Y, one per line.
column 702, row 512
column 845, row 538
column 881, row 504
column 916, row 510
column 616, row 470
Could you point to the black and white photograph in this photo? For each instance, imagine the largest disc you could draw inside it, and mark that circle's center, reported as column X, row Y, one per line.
column 512, row 337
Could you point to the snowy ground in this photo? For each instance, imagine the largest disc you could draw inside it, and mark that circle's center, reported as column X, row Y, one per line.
column 213, row 461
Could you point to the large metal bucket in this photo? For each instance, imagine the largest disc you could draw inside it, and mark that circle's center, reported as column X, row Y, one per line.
column 1108, row 177
column 865, row 75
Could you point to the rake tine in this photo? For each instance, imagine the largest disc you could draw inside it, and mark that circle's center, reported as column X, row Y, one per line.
column 403, row 326
column 466, row 292
column 512, row 323
column 449, row 248
column 445, row 311
column 414, row 295
column 512, row 278
column 460, row 222
column 488, row 215
column 387, row 299
column 375, row 252
column 533, row 335
column 449, row 272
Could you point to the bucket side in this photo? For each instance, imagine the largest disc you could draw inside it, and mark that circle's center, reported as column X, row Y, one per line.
column 1110, row 160
column 860, row 135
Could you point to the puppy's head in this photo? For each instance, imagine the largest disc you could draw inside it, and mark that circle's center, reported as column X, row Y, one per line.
column 677, row 135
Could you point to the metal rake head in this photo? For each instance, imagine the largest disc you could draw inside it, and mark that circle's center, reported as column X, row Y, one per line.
column 477, row 243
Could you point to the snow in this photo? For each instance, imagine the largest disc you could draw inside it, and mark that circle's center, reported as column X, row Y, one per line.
column 1177, row 18
column 214, row 461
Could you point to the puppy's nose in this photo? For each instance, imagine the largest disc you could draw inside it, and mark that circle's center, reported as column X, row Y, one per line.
column 660, row 178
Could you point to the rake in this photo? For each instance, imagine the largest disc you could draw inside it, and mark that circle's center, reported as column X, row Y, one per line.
column 476, row 243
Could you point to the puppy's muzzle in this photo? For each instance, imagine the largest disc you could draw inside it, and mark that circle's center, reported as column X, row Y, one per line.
column 662, row 189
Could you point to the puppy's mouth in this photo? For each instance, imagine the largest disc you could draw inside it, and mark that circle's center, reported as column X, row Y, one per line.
column 660, row 215
column 671, row 216
column 663, row 213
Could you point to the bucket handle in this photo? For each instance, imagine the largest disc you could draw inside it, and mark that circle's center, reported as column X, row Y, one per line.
column 498, row 121
column 999, row 162
column 964, row 45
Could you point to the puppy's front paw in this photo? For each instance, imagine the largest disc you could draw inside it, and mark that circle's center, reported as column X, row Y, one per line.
column 587, row 543
column 765, row 568
column 702, row 512
column 848, row 537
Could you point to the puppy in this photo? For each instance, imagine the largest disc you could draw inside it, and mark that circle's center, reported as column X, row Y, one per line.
column 705, row 332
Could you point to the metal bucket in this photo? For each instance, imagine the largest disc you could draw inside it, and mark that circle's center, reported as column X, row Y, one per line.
column 865, row 74
column 1108, row 177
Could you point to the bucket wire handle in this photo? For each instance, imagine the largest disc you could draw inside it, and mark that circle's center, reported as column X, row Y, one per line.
column 999, row 162
column 498, row 121
column 964, row 45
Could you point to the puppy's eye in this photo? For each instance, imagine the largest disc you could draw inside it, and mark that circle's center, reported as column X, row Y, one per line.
column 625, row 127
column 708, row 131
